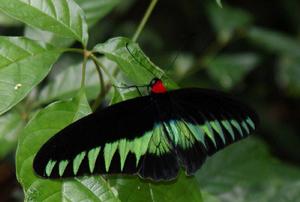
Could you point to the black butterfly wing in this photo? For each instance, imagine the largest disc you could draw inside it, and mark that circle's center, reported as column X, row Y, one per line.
column 150, row 136
column 201, row 122
column 124, row 138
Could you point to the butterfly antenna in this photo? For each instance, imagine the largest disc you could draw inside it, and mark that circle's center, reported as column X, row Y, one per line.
column 138, row 60
column 173, row 61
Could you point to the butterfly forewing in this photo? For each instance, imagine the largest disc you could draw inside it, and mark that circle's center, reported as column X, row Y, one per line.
column 151, row 136
column 94, row 142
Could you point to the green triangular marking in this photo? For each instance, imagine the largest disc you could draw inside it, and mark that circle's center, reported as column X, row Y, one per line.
column 140, row 145
column 244, row 124
column 109, row 151
column 77, row 161
column 155, row 140
column 228, row 127
column 172, row 130
column 186, row 138
column 92, row 157
column 62, row 167
column 197, row 132
column 237, row 126
column 158, row 144
column 123, row 151
column 250, row 122
column 207, row 129
column 49, row 167
column 217, row 127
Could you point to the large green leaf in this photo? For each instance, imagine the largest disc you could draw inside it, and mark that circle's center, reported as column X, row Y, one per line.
column 246, row 172
column 47, row 37
column 94, row 10
column 274, row 41
column 135, row 190
column 8, row 21
column 44, row 125
column 65, row 84
column 230, row 69
column 10, row 126
column 23, row 64
column 62, row 17
column 132, row 61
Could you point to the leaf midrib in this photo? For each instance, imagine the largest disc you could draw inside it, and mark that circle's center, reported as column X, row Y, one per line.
column 28, row 56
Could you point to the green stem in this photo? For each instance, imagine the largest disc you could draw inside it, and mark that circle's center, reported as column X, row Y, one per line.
column 102, row 90
column 76, row 50
column 144, row 20
column 102, row 67
column 83, row 71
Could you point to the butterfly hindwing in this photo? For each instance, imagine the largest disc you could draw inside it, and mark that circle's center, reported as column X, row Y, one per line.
column 204, row 121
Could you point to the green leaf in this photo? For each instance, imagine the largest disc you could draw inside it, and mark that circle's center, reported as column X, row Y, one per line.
column 288, row 75
column 134, row 190
column 226, row 20
column 8, row 21
column 23, row 64
column 94, row 10
column 207, row 197
column 245, row 172
column 65, row 84
column 43, row 126
column 230, row 69
column 10, row 126
column 47, row 37
column 62, row 17
column 274, row 41
column 132, row 61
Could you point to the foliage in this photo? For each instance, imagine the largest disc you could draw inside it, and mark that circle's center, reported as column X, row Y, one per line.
column 41, row 93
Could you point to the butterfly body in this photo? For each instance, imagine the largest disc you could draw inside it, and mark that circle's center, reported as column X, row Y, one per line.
column 152, row 136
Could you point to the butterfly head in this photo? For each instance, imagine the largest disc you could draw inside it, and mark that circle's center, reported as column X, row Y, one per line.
column 157, row 86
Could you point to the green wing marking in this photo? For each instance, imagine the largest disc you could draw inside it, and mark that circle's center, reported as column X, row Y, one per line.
column 250, row 122
column 124, row 147
column 185, row 135
column 228, row 127
column 109, row 152
column 77, row 161
column 159, row 144
column 62, row 167
column 92, row 157
column 50, row 166
column 140, row 146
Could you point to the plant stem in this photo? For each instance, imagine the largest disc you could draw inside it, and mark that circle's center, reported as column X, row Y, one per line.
column 76, row 50
column 144, row 20
column 101, row 66
column 102, row 90
column 83, row 71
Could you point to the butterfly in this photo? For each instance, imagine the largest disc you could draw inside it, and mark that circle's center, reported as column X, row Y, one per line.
column 152, row 136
